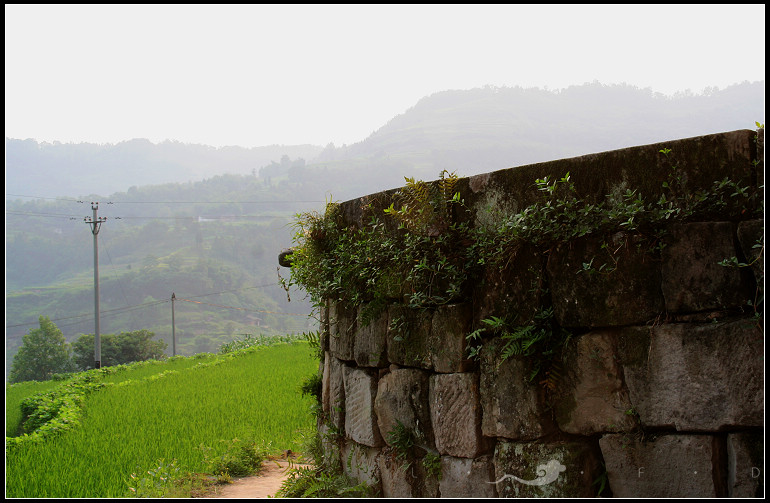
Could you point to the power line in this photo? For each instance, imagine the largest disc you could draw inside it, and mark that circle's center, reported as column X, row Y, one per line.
column 42, row 197
column 172, row 202
column 234, row 290
column 89, row 315
column 241, row 308
column 205, row 217
column 191, row 218
column 29, row 213
column 213, row 202
column 113, row 312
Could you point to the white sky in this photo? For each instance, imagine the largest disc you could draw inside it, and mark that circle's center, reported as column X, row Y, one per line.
column 293, row 74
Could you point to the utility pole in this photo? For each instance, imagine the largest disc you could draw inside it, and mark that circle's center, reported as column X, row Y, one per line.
column 173, row 326
column 96, row 223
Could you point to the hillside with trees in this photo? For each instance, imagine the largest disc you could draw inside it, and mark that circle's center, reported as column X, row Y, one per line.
column 207, row 224
column 213, row 243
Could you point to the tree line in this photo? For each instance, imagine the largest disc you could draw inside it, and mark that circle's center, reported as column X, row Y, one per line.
column 45, row 352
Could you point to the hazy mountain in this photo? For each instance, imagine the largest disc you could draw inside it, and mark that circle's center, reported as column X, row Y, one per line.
column 78, row 169
column 468, row 131
column 485, row 129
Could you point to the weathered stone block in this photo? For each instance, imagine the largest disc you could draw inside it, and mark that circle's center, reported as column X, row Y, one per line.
column 396, row 482
column 449, row 328
column 360, row 420
column 369, row 347
column 745, row 465
column 456, row 414
column 671, row 466
column 511, row 406
column 511, row 288
column 402, row 396
column 629, row 294
column 342, row 330
column 406, row 478
column 554, row 470
column 408, row 338
column 750, row 234
column 333, row 391
column 467, row 478
column 360, row 462
column 591, row 397
column 696, row 377
column 693, row 280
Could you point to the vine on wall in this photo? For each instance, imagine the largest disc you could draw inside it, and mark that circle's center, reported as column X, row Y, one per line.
column 433, row 257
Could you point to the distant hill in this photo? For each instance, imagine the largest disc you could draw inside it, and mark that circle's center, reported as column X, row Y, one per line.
column 467, row 131
column 80, row 169
column 486, row 129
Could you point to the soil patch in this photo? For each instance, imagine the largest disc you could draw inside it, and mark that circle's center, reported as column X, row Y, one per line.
column 264, row 485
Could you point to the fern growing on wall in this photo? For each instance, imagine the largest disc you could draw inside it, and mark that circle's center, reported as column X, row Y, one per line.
column 425, row 207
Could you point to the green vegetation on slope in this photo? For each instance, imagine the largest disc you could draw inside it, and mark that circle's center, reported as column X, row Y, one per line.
column 183, row 418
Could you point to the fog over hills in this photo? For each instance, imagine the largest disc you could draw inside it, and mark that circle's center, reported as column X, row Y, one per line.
column 467, row 131
column 80, row 169
column 507, row 127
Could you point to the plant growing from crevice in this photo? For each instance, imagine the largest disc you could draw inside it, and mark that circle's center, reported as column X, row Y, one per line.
column 757, row 303
column 431, row 462
column 402, row 440
column 601, row 482
column 540, row 342
column 426, row 208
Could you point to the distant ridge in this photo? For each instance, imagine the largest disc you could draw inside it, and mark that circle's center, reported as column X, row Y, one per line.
column 467, row 131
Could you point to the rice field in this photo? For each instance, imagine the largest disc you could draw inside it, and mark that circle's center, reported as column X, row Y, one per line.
column 169, row 412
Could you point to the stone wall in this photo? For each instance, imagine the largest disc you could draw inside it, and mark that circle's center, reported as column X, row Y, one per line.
column 661, row 390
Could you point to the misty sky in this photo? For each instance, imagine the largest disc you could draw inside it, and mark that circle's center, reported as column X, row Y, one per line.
column 295, row 74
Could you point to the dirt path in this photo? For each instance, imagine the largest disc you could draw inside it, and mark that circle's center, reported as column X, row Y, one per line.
column 264, row 485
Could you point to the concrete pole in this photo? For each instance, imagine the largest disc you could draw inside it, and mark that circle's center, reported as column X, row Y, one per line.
column 173, row 326
column 95, row 223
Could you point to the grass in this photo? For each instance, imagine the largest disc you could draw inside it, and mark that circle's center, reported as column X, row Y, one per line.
column 178, row 418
